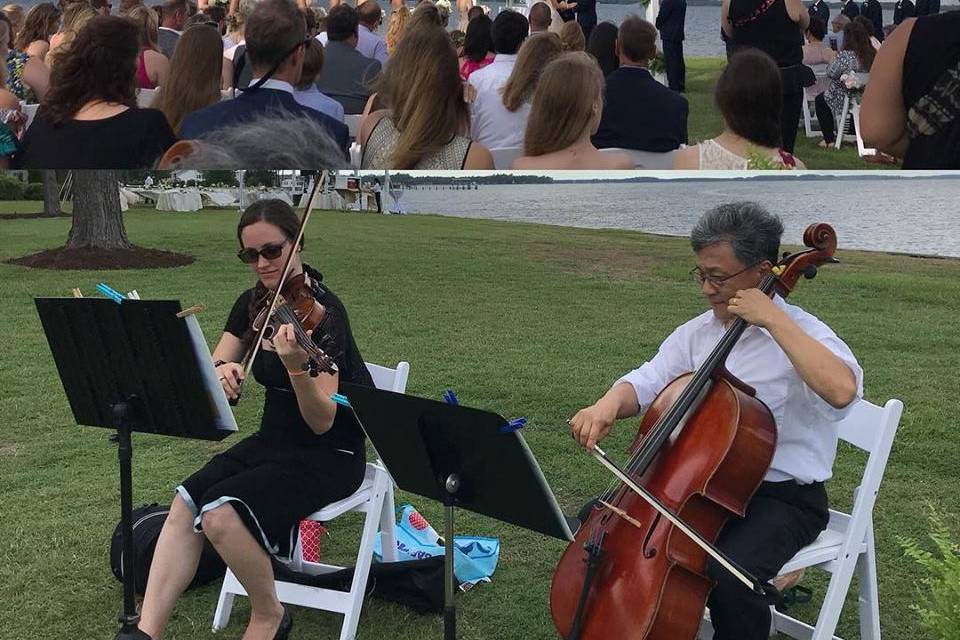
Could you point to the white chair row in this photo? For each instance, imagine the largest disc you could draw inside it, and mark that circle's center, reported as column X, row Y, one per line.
column 851, row 107
column 374, row 498
column 846, row 547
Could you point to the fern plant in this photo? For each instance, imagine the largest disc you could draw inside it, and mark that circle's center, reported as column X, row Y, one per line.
column 939, row 607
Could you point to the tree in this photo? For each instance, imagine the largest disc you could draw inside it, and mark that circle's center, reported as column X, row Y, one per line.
column 51, row 194
column 97, row 220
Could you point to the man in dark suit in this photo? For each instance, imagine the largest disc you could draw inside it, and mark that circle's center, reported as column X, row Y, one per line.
column 850, row 9
column 586, row 16
column 872, row 11
column 347, row 74
column 902, row 10
column 275, row 33
column 820, row 10
column 639, row 112
column 928, row 7
column 670, row 22
column 174, row 15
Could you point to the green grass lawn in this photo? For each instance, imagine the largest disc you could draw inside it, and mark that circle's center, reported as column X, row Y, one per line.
column 525, row 320
column 706, row 122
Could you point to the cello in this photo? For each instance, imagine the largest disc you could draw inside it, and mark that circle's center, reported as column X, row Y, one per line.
column 637, row 567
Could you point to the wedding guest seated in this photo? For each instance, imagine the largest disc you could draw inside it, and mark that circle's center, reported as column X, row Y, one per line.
column 498, row 120
column 25, row 77
column 477, row 46
column 749, row 97
column 565, row 112
column 398, row 20
column 89, row 118
column 42, row 21
column 173, row 16
column 639, row 112
column 152, row 66
column 265, row 142
column 369, row 44
column 276, row 34
column 815, row 51
column 602, row 46
column 195, row 73
column 509, row 31
column 571, row 35
column 539, row 18
column 349, row 74
column 870, row 29
column 75, row 16
column 835, row 37
column 857, row 55
column 910, row 104
column 426, row 121
column 306, row 91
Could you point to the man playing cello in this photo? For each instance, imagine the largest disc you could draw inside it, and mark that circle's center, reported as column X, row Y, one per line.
column 804, row 373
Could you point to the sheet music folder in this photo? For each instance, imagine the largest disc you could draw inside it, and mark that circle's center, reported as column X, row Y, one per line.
column 107, row 353
column 422, row 441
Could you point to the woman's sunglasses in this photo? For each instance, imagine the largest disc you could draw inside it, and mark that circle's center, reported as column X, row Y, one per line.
column 268, row 251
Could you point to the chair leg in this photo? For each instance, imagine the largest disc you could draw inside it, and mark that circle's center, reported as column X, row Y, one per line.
column 842, row 125
column 221, row 617
column 388, row 526
column 869, row 596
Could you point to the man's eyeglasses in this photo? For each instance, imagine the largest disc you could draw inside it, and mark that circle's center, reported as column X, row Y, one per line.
column 268, row 251
column 699, row 277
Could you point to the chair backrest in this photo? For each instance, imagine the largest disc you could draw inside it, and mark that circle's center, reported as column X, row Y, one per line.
column 29, row 110
column 145, row 97
column 503, row 158
column 646, row 159
column 352, row 120
column 390, row 379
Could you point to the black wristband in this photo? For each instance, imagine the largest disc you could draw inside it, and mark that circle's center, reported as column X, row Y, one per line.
column 219, row 362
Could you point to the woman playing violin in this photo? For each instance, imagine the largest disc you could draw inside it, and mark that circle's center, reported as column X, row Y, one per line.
column 248, row 500
column 800, row 369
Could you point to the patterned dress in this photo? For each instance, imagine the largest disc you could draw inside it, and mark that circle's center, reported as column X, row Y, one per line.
column 16, row 61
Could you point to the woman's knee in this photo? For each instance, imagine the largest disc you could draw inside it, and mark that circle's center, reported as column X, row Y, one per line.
column 220, row 522
column 181, row 515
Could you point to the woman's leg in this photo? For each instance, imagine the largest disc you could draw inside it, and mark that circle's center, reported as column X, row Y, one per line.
column 825, row 117
column 174, row 565
column 251, row 564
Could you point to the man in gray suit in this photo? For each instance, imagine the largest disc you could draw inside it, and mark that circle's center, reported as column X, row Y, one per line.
column 175, row 14
column 347, row 74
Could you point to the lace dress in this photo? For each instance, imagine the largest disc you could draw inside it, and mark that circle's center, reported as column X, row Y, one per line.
column 383, row 139
column 714, row 156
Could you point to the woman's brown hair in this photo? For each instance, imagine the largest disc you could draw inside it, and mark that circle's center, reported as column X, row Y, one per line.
column 535, row 54
column 194, row 79
column 571, row 35
column 272, row 211
column 422, row 89
column 102, row 65
column 566, row 103
column 41, row 22
column 856, row 39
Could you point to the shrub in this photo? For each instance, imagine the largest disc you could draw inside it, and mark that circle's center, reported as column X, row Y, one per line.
column 33, row 191
column 10, row 188
column 939, row 607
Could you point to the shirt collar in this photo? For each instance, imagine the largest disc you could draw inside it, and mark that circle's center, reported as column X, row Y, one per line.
column 272, row 83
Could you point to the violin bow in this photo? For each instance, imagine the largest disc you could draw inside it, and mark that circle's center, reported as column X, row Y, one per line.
column 254, row 349
column 737, row 571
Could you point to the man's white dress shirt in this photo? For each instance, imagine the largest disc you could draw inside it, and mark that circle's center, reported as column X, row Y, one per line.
column 806, row 423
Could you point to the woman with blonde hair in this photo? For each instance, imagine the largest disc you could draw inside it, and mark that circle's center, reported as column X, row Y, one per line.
column 499, row 119
column 42, row 21
column 15, row 15
column 75, row 16
column 571, row 35
column 398, row 20
column 565, row 112
column 152, row 66
column 194, row 79
column 426, row 121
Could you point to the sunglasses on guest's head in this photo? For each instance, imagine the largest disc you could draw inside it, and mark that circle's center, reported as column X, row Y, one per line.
column 268, row 251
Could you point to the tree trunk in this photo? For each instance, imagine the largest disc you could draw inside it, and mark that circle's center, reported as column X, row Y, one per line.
column 51, row 194
column 97, row 220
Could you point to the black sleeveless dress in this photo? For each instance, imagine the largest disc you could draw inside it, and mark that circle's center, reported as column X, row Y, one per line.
column 285, row 471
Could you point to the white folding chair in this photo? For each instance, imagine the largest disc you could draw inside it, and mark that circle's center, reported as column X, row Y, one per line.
column 374, row 497
column 851, row 107
column 29, row 110
column 145, row 97
column 847, row 545
column 809, row 95
column 503, row 158
column 646, row 159
column 352, row 120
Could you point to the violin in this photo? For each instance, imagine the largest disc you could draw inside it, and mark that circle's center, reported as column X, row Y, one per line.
column 637, row 567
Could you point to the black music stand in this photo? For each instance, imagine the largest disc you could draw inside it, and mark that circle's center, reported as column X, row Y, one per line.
column 461, row 457
column 134, row 366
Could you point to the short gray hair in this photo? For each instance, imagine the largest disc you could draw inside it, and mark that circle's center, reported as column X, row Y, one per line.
column 752, row 231
column 277, row 139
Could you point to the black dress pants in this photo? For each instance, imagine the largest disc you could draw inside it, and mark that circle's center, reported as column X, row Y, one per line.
column 790, row 119
column 825, row 117
column 676, row 69
column 781, row 519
